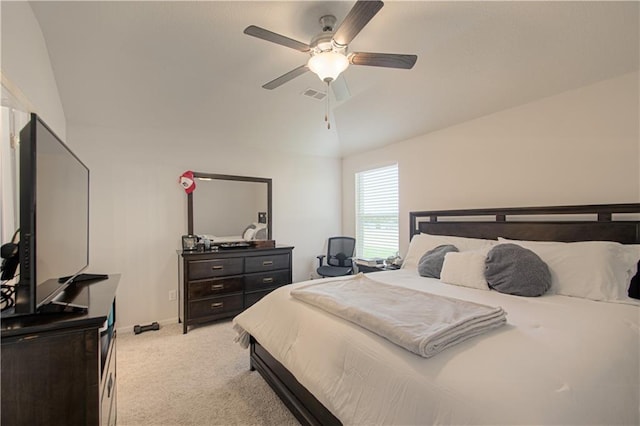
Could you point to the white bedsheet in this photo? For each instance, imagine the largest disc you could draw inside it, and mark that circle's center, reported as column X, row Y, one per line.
column 559, row 360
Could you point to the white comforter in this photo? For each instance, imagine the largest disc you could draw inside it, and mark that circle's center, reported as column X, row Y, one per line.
column 423, row 323
column 559, row 360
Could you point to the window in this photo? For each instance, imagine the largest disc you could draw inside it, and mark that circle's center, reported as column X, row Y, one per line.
column 377, row 212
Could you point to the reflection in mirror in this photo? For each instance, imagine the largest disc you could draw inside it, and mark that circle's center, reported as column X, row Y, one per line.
column 230, row 208
column 226, row 207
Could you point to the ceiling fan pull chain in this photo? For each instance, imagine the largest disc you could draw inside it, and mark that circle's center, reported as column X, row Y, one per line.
column 326, row 115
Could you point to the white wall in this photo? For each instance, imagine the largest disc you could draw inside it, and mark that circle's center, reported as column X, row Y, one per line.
column 12, row 122
column 578, row 147
column 574, row 148
column 28, row 85
column 26, row 67
column 138, row 209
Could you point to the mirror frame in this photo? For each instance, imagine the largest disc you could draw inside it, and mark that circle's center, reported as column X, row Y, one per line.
column 197, row 175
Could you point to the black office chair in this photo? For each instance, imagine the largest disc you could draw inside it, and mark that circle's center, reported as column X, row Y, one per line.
column 339, row 257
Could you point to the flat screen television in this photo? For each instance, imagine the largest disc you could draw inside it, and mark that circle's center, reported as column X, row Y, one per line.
column 54, row 217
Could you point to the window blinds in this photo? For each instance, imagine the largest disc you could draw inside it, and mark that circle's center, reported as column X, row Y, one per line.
column 377, row 212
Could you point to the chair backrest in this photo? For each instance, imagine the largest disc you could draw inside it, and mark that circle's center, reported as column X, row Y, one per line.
column 340, row 250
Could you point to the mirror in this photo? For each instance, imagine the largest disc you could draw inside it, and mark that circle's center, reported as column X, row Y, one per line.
column 224, row 206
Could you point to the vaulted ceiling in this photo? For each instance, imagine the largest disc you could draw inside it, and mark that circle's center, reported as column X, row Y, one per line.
column 187, row 66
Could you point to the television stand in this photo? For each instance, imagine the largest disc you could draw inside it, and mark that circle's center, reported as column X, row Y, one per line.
column 61, row 369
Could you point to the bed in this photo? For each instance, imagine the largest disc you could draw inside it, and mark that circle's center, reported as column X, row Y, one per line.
column 570, row 356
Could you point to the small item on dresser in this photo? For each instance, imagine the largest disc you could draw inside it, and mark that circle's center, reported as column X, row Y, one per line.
column 239, row 244
column 264, row 243
column 189, row 242
column 395, row 262
column 137, row 329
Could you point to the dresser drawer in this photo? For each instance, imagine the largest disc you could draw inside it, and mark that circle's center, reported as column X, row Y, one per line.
column 251, row 298
column 255, row 282
column 199, row 269
column 215, row 306
column 220, row 286
column 267, row 263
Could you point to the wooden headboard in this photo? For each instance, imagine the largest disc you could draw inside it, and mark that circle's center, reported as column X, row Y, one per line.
column 605, row 222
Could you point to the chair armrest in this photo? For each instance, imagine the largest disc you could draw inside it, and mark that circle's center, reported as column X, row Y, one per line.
column 320, row 259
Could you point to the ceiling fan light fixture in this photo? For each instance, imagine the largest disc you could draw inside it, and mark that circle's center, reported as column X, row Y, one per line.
column 328, row 65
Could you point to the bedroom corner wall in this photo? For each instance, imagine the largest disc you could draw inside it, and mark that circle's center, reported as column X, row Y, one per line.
column 577, row 147
column 138, row 210
column 28, row 85
column 26, row 67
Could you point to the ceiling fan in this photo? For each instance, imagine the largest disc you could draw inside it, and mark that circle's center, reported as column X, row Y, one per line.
column 329, row 49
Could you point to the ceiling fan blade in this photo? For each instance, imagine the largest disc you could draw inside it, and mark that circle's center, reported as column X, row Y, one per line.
column 389, row 60
column 359, row 15
column 267, row 35
column 340, row 88
column 286, row 77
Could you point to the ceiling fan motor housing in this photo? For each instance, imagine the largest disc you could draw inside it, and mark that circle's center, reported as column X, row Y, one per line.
column 324, row 42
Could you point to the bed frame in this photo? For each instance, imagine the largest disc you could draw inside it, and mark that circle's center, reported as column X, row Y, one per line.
column 610, row 222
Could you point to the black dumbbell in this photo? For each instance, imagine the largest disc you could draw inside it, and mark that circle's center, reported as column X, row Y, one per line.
column 137, row 329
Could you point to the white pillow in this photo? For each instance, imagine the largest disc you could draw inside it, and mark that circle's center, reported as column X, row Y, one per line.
column 255, row 231
column 596, row 270
column 422, row 243
column 465, row 269
column 249, row 233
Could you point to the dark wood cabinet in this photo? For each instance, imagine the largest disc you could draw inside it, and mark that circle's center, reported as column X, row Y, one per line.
column 61, row 368
column 221, row 284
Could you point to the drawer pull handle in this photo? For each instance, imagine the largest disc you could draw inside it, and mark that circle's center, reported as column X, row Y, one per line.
column 109, row 385
column 217, row 286
column 267, row 263
column 267, row 280
column 217, row 305
column 217, row 267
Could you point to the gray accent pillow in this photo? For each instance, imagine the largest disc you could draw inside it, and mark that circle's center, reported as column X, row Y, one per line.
column 261, row 234
column 512, row 269
column 430, row 264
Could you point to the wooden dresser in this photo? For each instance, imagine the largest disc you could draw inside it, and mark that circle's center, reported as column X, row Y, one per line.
column 221, row 284
column 61, row 368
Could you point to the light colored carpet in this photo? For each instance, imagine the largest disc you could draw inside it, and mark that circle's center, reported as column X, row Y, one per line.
column 168, row 378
